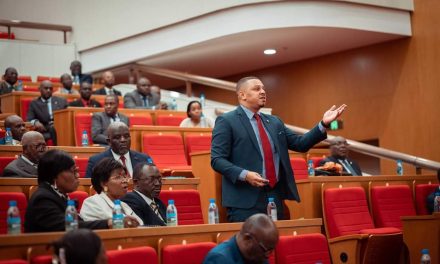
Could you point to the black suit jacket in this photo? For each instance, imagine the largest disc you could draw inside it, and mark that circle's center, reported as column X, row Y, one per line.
column 136, row 157
column 5, row 88
column 38, row 109
column 144, row 211
column 102, row 91
column 353, row 164
column 79, row 103
column 20, row 168
column 85, row 78
column 46, row 212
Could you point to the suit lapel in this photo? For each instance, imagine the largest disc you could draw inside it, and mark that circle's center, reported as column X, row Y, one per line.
column 23, row 165
column 248, row 127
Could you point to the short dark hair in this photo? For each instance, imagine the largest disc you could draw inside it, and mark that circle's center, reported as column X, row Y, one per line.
column 243, row 80
column 115, row 96
column 9, row 69
column 102, row 171
column 52, row 163
column 188, row 108
column 138, row 169
column 80, row 246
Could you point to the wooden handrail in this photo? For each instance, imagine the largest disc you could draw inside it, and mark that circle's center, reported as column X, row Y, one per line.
column 32, row 25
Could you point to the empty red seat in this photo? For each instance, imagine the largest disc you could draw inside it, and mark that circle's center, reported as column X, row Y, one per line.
column 13, row 261
column 45, row 259
column 166, row 149
column 42, row 78
column 307, row 248
column 54, row 79
column 188, row 205
column 197, row 142
column 4, row 161
column 316, row 161
column 79, row 196
column 138, row 255
column 24, row 78
column 81, row 163
column 186, row 254
column 5, row 197
column 144, row 120
column 421, row 193
column 31, row 88
column 389, row 203
column 299, row 167
column 169, row 119
column 24, row 107
column 81, row 122
column 5, row 35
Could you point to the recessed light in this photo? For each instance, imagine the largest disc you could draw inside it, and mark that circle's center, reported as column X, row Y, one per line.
column 270, row 51
column 15, row 21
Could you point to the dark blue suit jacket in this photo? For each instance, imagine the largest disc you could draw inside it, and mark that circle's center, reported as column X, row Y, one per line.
column 235, row 147
column 136, row 157
column 144, row 211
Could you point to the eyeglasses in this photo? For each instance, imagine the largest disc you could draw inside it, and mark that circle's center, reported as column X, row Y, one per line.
column 266, row 250
column 120, row 177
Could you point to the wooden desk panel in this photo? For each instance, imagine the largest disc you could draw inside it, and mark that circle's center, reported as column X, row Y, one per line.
column 78, row 152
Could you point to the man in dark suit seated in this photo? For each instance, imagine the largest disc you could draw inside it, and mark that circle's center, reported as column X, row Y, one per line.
column 17, row 126
column 142, row 97
column 339, row 154
column 66, row 81
column 26, row 164
column 101, row 120
column 144, row 199
column 41, row 110
column 250, row 150
column 254, row 243
column 9, row 82
column 77, row 75
column 119, row 141
column 431, row 196
column 85, row 90
column 108, row 79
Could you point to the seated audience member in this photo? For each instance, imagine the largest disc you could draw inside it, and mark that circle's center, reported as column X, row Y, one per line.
column 17, row 126
column 108, row 79
column 26, row 165
column 195, row 116
column 101, row 120
column 9, row 82
column 77, row 75
column 57, row 176
column 85, row 90
column 144, row 199
column 142, row 97
column 339, row 154
column 66, row 81
column 254, row 243
column 430, row 198
column 41, row 110
column 80, row 246
column 119, row 141
column 110, row 181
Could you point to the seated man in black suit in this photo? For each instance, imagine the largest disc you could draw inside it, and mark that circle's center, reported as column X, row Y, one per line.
column 85, row 90
column 144, row 200
column 108, row 79
column 430, row 198
column 17, row 126
column 77, row 75
column 10, row 81
column 119, row 141
column 101, row 120
column 26, row 164
column 66, row 81
column 41, row 110
column 339, row 154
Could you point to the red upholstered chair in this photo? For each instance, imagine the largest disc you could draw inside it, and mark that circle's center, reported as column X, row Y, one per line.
column 389, row 203
column 55, row 79
column 24, row 107
column 79, row 196
column 5, row 197
column 4, row 161
column 81, row 122
column 145, row 120
column 45, row 259
column 5, row 35
column 169, row 119
column 24, row 78
column 30, row 88
column 13, row 261
column 81, row 163
column 186, row 254
column 307, row 248
column 138, row 255
column 42, row 78
column 316, row 161
column 166, row 149
column 421, row 193
column 299, row 166
column 197, row 142
column 188, row 205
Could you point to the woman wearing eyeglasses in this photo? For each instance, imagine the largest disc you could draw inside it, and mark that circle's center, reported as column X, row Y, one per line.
column 110, row 181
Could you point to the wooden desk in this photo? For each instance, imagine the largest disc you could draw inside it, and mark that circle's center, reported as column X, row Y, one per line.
column 76, row 152
column 28, row 245
column 421, row 232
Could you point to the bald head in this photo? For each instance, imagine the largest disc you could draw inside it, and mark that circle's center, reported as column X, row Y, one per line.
column 11, row 75
column 46, row 89
column 339, row 147
column 241, row 83
column 34, row 145
column 143, row 86
column 251, row 93
column 108, row 79
column 17, row 126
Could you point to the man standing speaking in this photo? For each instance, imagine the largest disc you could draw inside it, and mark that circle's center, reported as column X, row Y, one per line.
column 250, row 150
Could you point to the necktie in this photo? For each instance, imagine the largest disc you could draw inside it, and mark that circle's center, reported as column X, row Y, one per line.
column 348, row 167
column 144, row 99
column 155, row 209
column 267, row 151
column 122, row 158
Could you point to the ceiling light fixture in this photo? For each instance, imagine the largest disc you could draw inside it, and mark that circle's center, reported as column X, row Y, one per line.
column 270, row 51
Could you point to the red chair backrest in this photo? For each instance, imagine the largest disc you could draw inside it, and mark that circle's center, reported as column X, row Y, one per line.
column 4, row 161
column 25, row 78
column 145, row 120
column 421, row 193
column 79, row 196
column 29, row 88
column 55, row 79
column 307, row 248
column 197, row 142
column 42, row 78
column 45, row 259
column 389, row 203
column 316, row 161
column 5, row 197
column 186, row 254
column 138, row 255
column 166, row 150
column 169, row 120
column 13, row 261
column 81, row 163
column 299, row 166
column 187, row 202
column 346, row 211
column 24, row 106
column 82, row 121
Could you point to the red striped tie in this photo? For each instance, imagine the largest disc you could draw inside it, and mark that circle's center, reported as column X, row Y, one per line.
column 268, row 156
